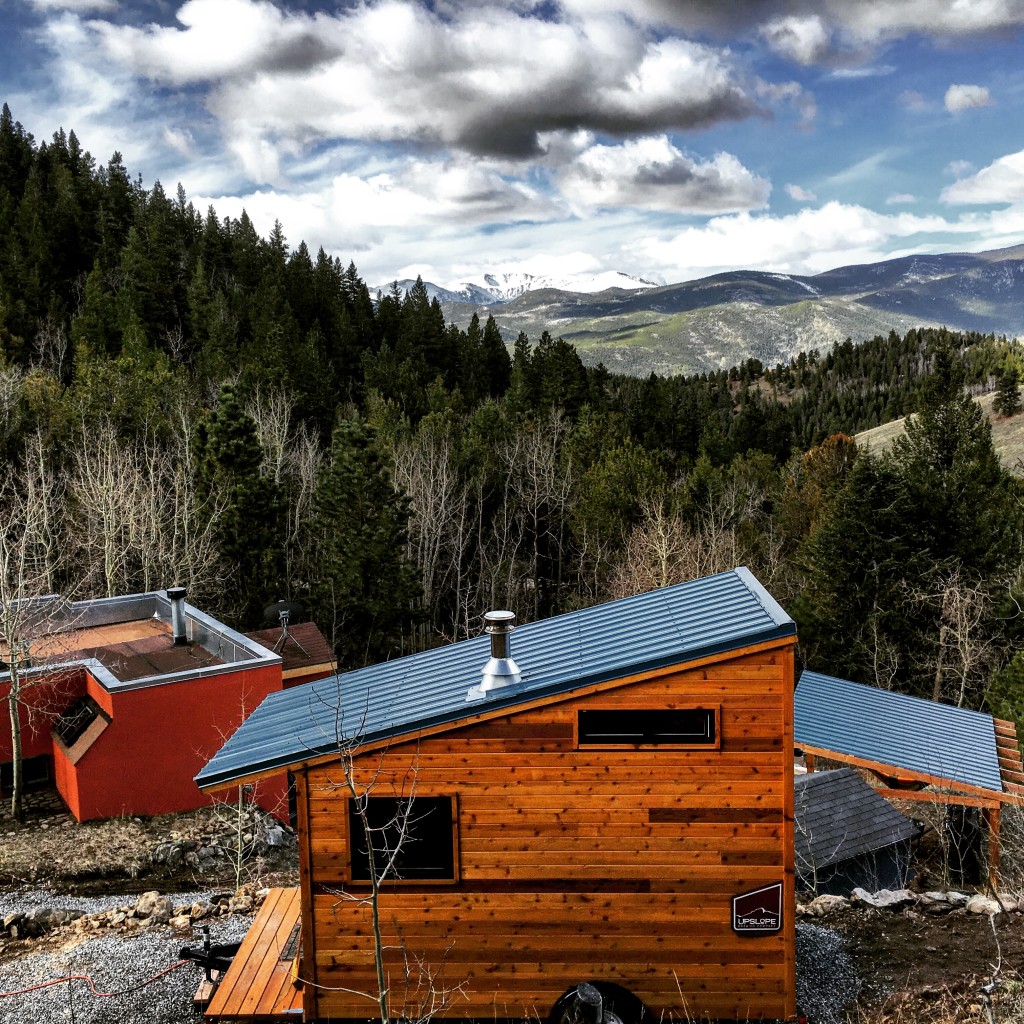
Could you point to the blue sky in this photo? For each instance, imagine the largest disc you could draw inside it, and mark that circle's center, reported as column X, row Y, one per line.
column 667, row 139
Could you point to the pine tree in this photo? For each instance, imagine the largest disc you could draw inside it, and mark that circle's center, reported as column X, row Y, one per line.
column 1007, row 400
column 250, row 532
column 366, row 589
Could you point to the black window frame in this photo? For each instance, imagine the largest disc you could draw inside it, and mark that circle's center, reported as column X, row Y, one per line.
column 436, row 819
column 679, row 728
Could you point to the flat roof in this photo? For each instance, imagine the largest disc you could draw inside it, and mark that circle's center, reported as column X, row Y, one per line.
column 126, row 642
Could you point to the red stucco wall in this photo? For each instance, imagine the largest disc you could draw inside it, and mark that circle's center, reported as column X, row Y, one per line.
column 42, row 702
column 158, row 739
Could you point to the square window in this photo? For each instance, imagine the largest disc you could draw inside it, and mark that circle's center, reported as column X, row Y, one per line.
column 413, row 840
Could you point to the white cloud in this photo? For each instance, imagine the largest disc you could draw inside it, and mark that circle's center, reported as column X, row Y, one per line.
column 651, row 173
column 180, row 140
column 1000, row 182
column 966, row 97
column 82, row 6
column 900, row 199
column 959, row 168
column 801, row 195
column 805, row 40
column 484, row 81
column 808, row 241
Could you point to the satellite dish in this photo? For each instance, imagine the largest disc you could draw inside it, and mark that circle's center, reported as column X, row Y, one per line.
column 292, row 610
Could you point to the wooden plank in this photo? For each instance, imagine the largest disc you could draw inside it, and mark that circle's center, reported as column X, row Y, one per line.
column 252, row 970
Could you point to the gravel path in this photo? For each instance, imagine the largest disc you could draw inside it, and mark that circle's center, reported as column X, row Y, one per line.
column 115, row 962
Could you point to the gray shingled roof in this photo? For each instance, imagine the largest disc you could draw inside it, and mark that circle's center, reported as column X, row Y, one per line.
column 894, row 729
column 839, row 817
column 649, row 631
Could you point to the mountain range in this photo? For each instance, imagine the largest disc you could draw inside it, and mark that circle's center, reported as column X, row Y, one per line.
column 636, row 326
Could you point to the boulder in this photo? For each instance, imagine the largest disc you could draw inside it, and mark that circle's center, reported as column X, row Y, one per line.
column 979, row 904
column 888, row 899
column 155, row 908
column 822, row 906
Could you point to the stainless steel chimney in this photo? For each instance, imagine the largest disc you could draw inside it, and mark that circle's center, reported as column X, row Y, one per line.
column 176, row 595
column 500, row 670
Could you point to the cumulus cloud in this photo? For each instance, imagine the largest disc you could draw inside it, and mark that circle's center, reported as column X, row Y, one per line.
column 1000, row 182
column 825, row 32
column 966, row 97
column 801, row 195
column 809, row 241
column 488, row 82
column 651, row 173
column 805, row 40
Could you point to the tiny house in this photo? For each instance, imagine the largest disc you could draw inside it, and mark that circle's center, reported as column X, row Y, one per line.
column 604, row 796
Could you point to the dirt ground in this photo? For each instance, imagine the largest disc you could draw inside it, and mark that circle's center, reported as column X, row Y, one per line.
column 914, row 967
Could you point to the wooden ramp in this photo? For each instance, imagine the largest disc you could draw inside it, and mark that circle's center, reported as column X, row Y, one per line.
column 260, row 983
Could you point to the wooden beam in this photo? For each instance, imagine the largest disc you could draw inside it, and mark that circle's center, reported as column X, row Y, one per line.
column 992, row 819
column 930, row 780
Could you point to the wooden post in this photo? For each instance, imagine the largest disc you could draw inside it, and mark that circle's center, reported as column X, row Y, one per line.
column 809, row 761
column 992, row 816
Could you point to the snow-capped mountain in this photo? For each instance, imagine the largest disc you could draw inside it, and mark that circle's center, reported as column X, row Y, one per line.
column 486, row 288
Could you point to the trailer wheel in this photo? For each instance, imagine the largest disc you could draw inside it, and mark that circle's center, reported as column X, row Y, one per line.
column 598, row 1002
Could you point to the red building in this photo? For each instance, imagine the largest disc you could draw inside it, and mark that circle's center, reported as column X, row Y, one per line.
column 126, row 698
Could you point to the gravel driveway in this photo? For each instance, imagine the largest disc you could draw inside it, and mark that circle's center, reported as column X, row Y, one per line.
column 115, row 962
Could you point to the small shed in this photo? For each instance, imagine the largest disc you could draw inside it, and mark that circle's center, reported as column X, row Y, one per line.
column 610, row 801
column 847, row 835
column 919, row 750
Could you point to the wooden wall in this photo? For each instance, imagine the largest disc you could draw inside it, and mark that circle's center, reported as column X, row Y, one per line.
column 575, row 864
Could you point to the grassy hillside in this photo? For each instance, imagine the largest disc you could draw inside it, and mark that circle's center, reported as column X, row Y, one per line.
column 1007, row 435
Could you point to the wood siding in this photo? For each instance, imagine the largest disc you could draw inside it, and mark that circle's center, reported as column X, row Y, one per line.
column 574, row 864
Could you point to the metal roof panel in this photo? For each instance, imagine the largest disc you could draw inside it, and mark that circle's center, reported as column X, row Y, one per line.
column 894, row 729
column 619, row 638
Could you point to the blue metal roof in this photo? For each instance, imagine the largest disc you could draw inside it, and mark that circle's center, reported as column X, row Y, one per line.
column 654, row 630
column 894, row 729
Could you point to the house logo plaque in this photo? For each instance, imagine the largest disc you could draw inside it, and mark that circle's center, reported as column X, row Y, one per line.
column 758, row 912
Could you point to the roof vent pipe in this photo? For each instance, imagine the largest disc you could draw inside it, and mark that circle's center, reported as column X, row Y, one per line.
column 176, row 595
column 501, row 670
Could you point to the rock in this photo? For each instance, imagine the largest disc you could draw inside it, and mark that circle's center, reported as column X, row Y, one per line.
column 240, row 905
column 199, row 911
column 1008, row 903
column 181, row 924
column 889, row 899
column 957, row 899
column 822, row 906
column 13, row 919
column 275, row 836
column 979, row 904
column 156, row 908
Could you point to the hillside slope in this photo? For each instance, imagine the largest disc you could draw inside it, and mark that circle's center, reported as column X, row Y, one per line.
column 719, row 321
column 1007, row 435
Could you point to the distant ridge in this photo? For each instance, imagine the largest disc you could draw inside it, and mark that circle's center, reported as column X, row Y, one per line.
column 635, row 326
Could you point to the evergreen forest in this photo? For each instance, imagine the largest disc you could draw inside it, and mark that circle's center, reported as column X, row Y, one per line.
column 185, row 401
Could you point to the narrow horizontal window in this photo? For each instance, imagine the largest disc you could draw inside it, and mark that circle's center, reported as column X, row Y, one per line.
column 678, row 727
column 413, row 840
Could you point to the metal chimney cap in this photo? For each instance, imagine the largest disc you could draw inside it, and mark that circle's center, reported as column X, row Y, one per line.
column 176, row 593
column 499, row 622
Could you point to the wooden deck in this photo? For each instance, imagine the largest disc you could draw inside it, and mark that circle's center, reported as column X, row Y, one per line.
column 260, row 983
